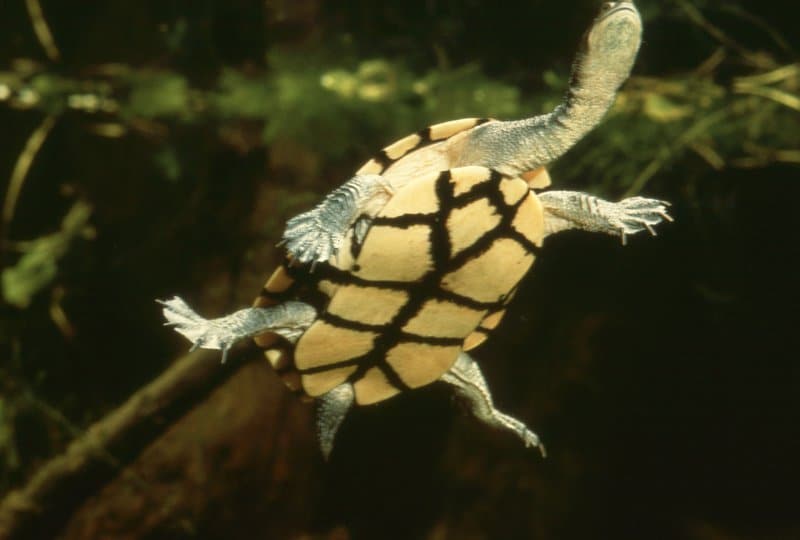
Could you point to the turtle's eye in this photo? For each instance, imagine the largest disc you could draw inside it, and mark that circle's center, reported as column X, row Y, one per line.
column 607, row 6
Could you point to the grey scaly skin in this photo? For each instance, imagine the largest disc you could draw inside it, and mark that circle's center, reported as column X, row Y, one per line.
column 316, row 235
column 289, row 320
column 467, row 379
column 469, row 385
column 603, row 64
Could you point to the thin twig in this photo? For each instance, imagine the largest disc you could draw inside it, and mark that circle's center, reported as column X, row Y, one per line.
column 778, row 96
column 771, row 77
column 42, row 30
column 697, row 17
column 762, row 24
column 23, row 165
column 666, row 153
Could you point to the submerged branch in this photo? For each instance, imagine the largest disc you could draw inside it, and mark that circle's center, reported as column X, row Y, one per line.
column 42, row 507
column 42, row 30
column 23, row 166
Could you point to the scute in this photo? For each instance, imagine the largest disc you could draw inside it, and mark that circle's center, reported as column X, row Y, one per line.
column 418, row 364
column 443, row 319
column 402, row 300
column 325, row 343
column 529, row 221
column 433, row 289
column 468, row 178
column 367, row 305
column 384, row 256
column 403, row 147
column 479, row 279
column 316, row 384
column 467, row 224
column 373, row 387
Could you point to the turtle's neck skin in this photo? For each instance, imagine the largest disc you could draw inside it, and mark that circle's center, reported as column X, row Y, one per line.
column 604, row 62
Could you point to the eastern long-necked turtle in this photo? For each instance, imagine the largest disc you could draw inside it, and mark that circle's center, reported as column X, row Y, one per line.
column 399, row 272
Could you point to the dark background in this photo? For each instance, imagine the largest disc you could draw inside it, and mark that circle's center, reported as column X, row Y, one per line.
column 662, row 376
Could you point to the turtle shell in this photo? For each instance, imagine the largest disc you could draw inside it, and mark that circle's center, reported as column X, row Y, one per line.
column 419, row 155
column 441, row 258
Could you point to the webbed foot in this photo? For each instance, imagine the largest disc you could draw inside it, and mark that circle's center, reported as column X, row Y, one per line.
column 634, row 215
column 575, row 210
column 203, row 333
column 529, row 438
column 309, row 239
column 468, row 382
column 289, row 319
column 315, row 236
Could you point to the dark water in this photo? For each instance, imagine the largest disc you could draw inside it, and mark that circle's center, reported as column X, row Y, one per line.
column 662, row 376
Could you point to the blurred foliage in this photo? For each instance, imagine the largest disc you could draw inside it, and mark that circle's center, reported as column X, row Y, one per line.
column 37, row 268
column 300, row 110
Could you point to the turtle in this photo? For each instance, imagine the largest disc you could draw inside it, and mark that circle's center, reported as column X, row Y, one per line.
column 396, row 275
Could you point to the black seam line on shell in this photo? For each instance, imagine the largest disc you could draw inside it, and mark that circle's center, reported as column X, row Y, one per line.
column 286, row 294
column 476, row 192
column 437, row 341
column 343, row 277
column 383, row 160
column 464, row 301
column 348, row 324
column 509, row 297
column 524, row 242
column 476, row 249
column 485, row 241
column 439, row 237
column 392, row 334
column 355, row 243
column 393, row 378
column 355, row 246
column 482, row 330
column 405, row 221
column 425, row 139
column 341, row 322
column 357, row 361
column 485, row 189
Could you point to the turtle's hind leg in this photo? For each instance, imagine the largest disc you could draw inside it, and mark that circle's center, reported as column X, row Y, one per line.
column 289, row 319
column 466, row 377
column 332, row 407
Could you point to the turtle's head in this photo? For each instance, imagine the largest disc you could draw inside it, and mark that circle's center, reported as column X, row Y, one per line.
column 610, row 46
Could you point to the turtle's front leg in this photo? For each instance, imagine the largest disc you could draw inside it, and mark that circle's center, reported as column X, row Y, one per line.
column 466, row 377
column 289, row 319
column 316, row 235
column 575, row 210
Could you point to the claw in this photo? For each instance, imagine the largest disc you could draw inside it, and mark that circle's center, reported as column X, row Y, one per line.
column 650, row 228
column 542, row 449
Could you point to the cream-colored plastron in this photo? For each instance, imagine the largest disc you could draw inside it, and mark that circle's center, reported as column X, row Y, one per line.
column 422, row 283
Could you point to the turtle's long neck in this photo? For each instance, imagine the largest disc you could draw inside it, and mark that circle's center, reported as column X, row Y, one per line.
column 604, row 63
